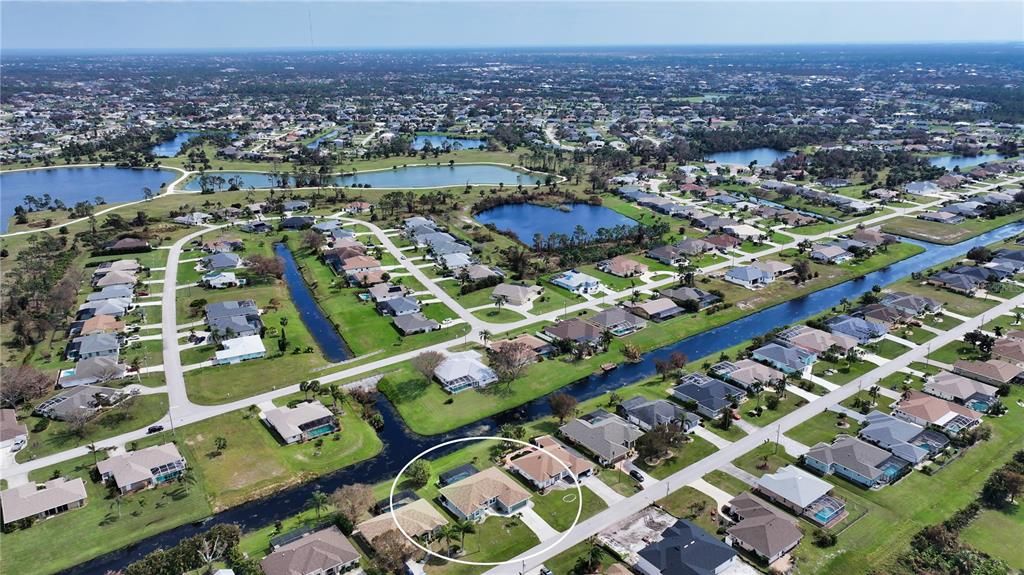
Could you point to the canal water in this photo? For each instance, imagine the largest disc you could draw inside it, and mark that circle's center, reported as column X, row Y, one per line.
column 332, row 345
column 172, row 147
column 437, row 141
column 408, row 177
column 401, row 445
column 525, row 220
column 73, row 185
column 965, row 162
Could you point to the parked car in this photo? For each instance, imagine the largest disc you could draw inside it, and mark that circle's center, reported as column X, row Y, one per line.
column 636, row 475
column 154, row 429
column 19, row 444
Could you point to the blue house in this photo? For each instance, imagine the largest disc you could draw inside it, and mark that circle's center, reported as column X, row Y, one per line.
column 858, row 328
column 711, row 395
column 784, row 358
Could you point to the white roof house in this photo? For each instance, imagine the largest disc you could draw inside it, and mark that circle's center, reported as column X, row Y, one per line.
column 143, row 468
column 794, row 486
column 461, row 371
column 240, row 349
column 304, row 421
column 577, row 282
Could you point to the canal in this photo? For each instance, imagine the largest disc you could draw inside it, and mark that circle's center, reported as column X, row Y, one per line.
column 401, row 445
column 327, row 336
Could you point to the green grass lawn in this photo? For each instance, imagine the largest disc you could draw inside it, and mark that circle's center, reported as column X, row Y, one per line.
column 621, row 482
column 915, row 334
column 98, row 527
column 786, row 405
column 940, row 233
column 998, row 533
column 953, row 351
column 1004, row 322
column 689, row 503
column 896, row 381
column 148, row 353
column 726, row 482
column 883, row 404
column 682, row 456
column 494, row 315
column 255, row 463
column 765, row 458
column 734, row 433
column 558, row 508
column 845, row 371
column 886, row 348
column 496, row 539
column 821, row 427
column 565, row 562
column 136, row 413
column 956, row 303
column 614, row 282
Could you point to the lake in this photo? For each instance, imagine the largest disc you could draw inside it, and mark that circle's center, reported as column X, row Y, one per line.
column 950, row 162
column 764, row 156
column 409, row 177
column 401, row 445
column 529, row 219
column 172, row 147
column 440, row 141
column 73, row 185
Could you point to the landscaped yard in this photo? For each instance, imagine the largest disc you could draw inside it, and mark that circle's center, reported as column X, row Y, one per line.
column 689, row 503
column 496, row 539
column 495, row 315
column 765, row 458
column 558, row 508
column 255, row 462
column 726, row 482
column 682, row 456
column 845, row 371
column 786, row 405
column 953, row 351
column 940, row 233
column 101, row 526
column 134, row 413
column 565, row 562
column 821, row 427
column 886, row 348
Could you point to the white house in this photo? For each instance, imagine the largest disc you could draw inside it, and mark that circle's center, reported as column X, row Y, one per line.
column 240, row 349
column 577, row 283
column 462, row 371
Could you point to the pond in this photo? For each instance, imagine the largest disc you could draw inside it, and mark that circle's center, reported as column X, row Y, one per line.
column 73, row 185
column 438, row 141
column 408, row 177
column 331, row 344
column 763, row 156
column 172, row 147
column 401, row 445
column 950, row 162
column 526, row 220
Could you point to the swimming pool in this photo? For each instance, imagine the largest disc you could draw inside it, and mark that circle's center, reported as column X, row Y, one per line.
column 320, row 430
column 978, row 405
column 825, row 514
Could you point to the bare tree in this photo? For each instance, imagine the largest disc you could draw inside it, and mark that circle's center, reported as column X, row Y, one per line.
column 211, row 551
column 352, row 501
column 392, row 550
column 563, row 406
column 77, row 421
column 22, row 383
column 312, row 241
column 427, row 362
column 510, row 359
column 266, row 266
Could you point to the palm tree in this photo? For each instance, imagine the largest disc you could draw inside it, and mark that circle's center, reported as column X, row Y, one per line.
column 318, row 501
column 485, row 336
column 464, row 527
column 314, row 386
column 449, row 532
column 304, row 388
column 332, row 392
column 94, row 450
column 187, row 477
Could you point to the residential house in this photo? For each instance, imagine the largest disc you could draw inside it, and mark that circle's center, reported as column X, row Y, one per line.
column 419, row 519
column 941, row 217
column 760, row 528
column 957, row 283
column 220, row 261
column 414, row 323
column 859, row 329
column 959, row 389
column 536, row 346
column 910, row 304
column 323, row 552
column 399, row 306
column 127, row 245
column 12, row 431
column 803, row 494
column 691, row 299
column 710, row 395
column 927, row 410
column 574, row 330
column 685, row 549
column 490, row 490
column 101, row 324
column 386, row 291
column 296, row 222
column 112, row 292
column 659, row 309
column 220, row 280
column 650, row 413
column 552, row 463
column 112, row 307
column 305, row 421
column 749, row 277
column 856, row 461
column 921, row 188
column 747, row 373
column 723, row 242
column 1009, row 350
column 623, row 267
column 514, row 294
column 606, row 436
column 142, row 469
column 672, row 255
column 775, row 269
column 39, row 501
column 618, row 321
column 906, row 440
column 785, row 358
column 457, row 474
column 462, row 371
column 87, row 399
column 94, row 345
column 239, row 349
column 115, row 278
column 829, row 254
column 873, row 237
column 92, row 371
column 234, row 318
column 994, row 372
column 577, row 282
column 815, row 340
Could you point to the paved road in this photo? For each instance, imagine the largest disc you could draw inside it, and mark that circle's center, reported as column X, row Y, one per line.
column 634, row 504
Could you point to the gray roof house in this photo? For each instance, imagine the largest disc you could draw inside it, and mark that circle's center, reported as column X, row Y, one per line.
column 801, row 493
column 221, row 261
column 690, row 298
column 618, row 321
column 94, row 345
column 414, row 323
column 31, row 500
column 760, row 528
column 238, row 317
column 963, row 390
column 903, row 439
column 685, row 549
column 462, row 371
column 862, row 463
column 784, row 358
column 711, row 395
column 80, row 399
column 399, row 306
column 750, row 277
column 142, row 469
column 93, row 370
column 858, row 328
column 648, row 413
column 746, row 373
column 607, row 436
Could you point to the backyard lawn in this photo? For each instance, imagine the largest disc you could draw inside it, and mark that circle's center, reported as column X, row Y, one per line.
column 558, row 508
column 101, row 526
column 998, row 533
column 682, row 456
column 887, row 348
column 821, row 427
column 946, row 234
column 689, row 503
column 496, row 539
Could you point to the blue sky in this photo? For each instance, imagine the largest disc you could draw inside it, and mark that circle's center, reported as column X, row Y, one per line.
column 140, row 25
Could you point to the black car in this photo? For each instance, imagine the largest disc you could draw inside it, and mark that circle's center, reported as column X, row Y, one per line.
column 637, row 475
column 154, row 429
